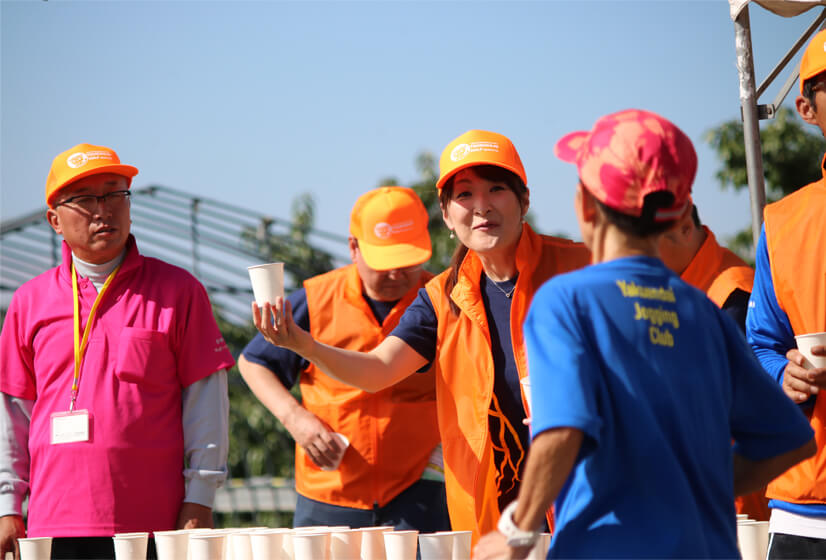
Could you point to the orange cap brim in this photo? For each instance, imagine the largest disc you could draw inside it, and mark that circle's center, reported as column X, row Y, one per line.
column 127, row 171
column 397, row 255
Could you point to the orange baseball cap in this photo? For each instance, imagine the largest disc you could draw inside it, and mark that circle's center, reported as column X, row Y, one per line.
column 479, row 147
column 390, row 224
column 814, row 58
column 81, row 161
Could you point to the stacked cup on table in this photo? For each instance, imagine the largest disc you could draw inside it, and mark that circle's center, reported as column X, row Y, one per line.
column 752, row 538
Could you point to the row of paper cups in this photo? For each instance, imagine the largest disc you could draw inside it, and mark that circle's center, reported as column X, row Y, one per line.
column 304, row 543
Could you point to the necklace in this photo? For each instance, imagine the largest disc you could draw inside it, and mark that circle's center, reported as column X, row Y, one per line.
column 507, row 294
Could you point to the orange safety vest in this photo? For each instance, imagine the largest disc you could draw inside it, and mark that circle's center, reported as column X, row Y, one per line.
column 718, row 272
column 392, row 432
column 465, row 376
column 796, row 245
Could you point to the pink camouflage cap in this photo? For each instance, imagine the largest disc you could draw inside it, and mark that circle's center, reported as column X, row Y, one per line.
column 630, row 154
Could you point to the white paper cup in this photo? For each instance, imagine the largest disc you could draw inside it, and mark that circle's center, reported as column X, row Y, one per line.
column 436, row 546
column 130, row 546
column 461, row 544
column 267, row 282
column 35, row 548
column 345, row 544
column 345, row 443
column 540, row 549
column 805, row 342
column 311, row 546
column 401, row 545
column 753, row 539
column 240, row 545
column 207, row 545
column 268, row 544
column 372, row 543
column 171, row 545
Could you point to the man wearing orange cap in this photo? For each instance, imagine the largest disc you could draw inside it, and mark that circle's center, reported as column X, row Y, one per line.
column 789, row 299
column 639, row 383
column 388, row 474
column 113, row 391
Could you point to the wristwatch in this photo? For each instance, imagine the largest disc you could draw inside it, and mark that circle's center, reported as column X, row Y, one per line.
column 516, row 537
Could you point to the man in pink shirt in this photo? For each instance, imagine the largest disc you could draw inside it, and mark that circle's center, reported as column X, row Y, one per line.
column 113, row 395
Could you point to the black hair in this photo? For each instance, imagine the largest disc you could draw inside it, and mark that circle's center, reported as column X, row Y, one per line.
column 809, row 88
column 643, row 225
column 489, row 173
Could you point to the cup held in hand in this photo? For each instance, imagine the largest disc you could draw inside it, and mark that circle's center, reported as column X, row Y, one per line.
column 267, row 282
column 805, row 343
column 345, row 443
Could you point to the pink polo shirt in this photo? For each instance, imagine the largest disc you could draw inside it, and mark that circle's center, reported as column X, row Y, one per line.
column 154, row 334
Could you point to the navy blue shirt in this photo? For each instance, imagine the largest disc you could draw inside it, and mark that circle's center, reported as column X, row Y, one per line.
column 288, row 365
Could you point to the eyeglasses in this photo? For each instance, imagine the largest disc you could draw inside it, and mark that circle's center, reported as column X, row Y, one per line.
column 89, row 202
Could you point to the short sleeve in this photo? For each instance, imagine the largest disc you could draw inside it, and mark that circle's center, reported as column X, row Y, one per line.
column 418, row 327
column 200, row 349
column 285, row 364
column 564, row 373
column 16, row 356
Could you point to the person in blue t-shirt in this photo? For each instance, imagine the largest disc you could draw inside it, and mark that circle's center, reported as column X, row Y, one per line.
column 639, row 382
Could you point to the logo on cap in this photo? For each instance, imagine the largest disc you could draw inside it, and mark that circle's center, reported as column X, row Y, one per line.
column 77, row 159
column 461, row 151
column 383, row 230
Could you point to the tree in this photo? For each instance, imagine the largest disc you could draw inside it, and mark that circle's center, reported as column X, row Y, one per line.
column 791, row 159
column 301, row 259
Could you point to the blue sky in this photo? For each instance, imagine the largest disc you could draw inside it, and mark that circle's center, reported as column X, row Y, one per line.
column 257, row 102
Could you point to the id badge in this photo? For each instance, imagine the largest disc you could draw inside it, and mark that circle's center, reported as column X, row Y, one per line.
column 70, row 427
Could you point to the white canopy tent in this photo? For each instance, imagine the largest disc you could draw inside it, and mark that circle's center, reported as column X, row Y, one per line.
column 752, row 112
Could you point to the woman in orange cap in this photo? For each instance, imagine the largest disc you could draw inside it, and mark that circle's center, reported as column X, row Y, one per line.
column 468, row 320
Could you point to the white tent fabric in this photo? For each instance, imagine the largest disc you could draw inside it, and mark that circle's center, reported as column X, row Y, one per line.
column 785, row 8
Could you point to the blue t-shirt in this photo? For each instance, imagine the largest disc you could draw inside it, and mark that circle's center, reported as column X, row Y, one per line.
column 286, row 364
column 660, row 381
column 418, row 329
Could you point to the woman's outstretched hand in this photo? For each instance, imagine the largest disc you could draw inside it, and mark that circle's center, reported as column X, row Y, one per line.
column 275, row 323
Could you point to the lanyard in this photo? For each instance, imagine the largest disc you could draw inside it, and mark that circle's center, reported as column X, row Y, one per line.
column 80, row 345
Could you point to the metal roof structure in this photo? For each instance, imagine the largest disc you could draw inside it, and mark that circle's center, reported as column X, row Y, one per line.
column 212, row 239
column 752, row 111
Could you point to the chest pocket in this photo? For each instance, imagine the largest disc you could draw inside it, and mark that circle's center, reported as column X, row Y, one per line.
column 144, row 358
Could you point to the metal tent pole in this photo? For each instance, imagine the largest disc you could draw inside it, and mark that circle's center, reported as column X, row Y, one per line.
column 751, row 128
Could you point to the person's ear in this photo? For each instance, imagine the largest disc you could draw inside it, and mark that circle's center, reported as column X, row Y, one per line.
column 587, row 204
column 445, row 218
column 806, row 110
column 526, row 203
column 353, row 244
column 54, row 220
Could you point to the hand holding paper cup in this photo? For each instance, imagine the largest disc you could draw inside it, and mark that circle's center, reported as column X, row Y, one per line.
column 343, row 444
column 805, row 343
column 267, row 282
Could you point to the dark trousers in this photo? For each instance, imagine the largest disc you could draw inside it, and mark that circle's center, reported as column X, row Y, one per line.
column 782, row 546
column 90, row 548
column 422, row 506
